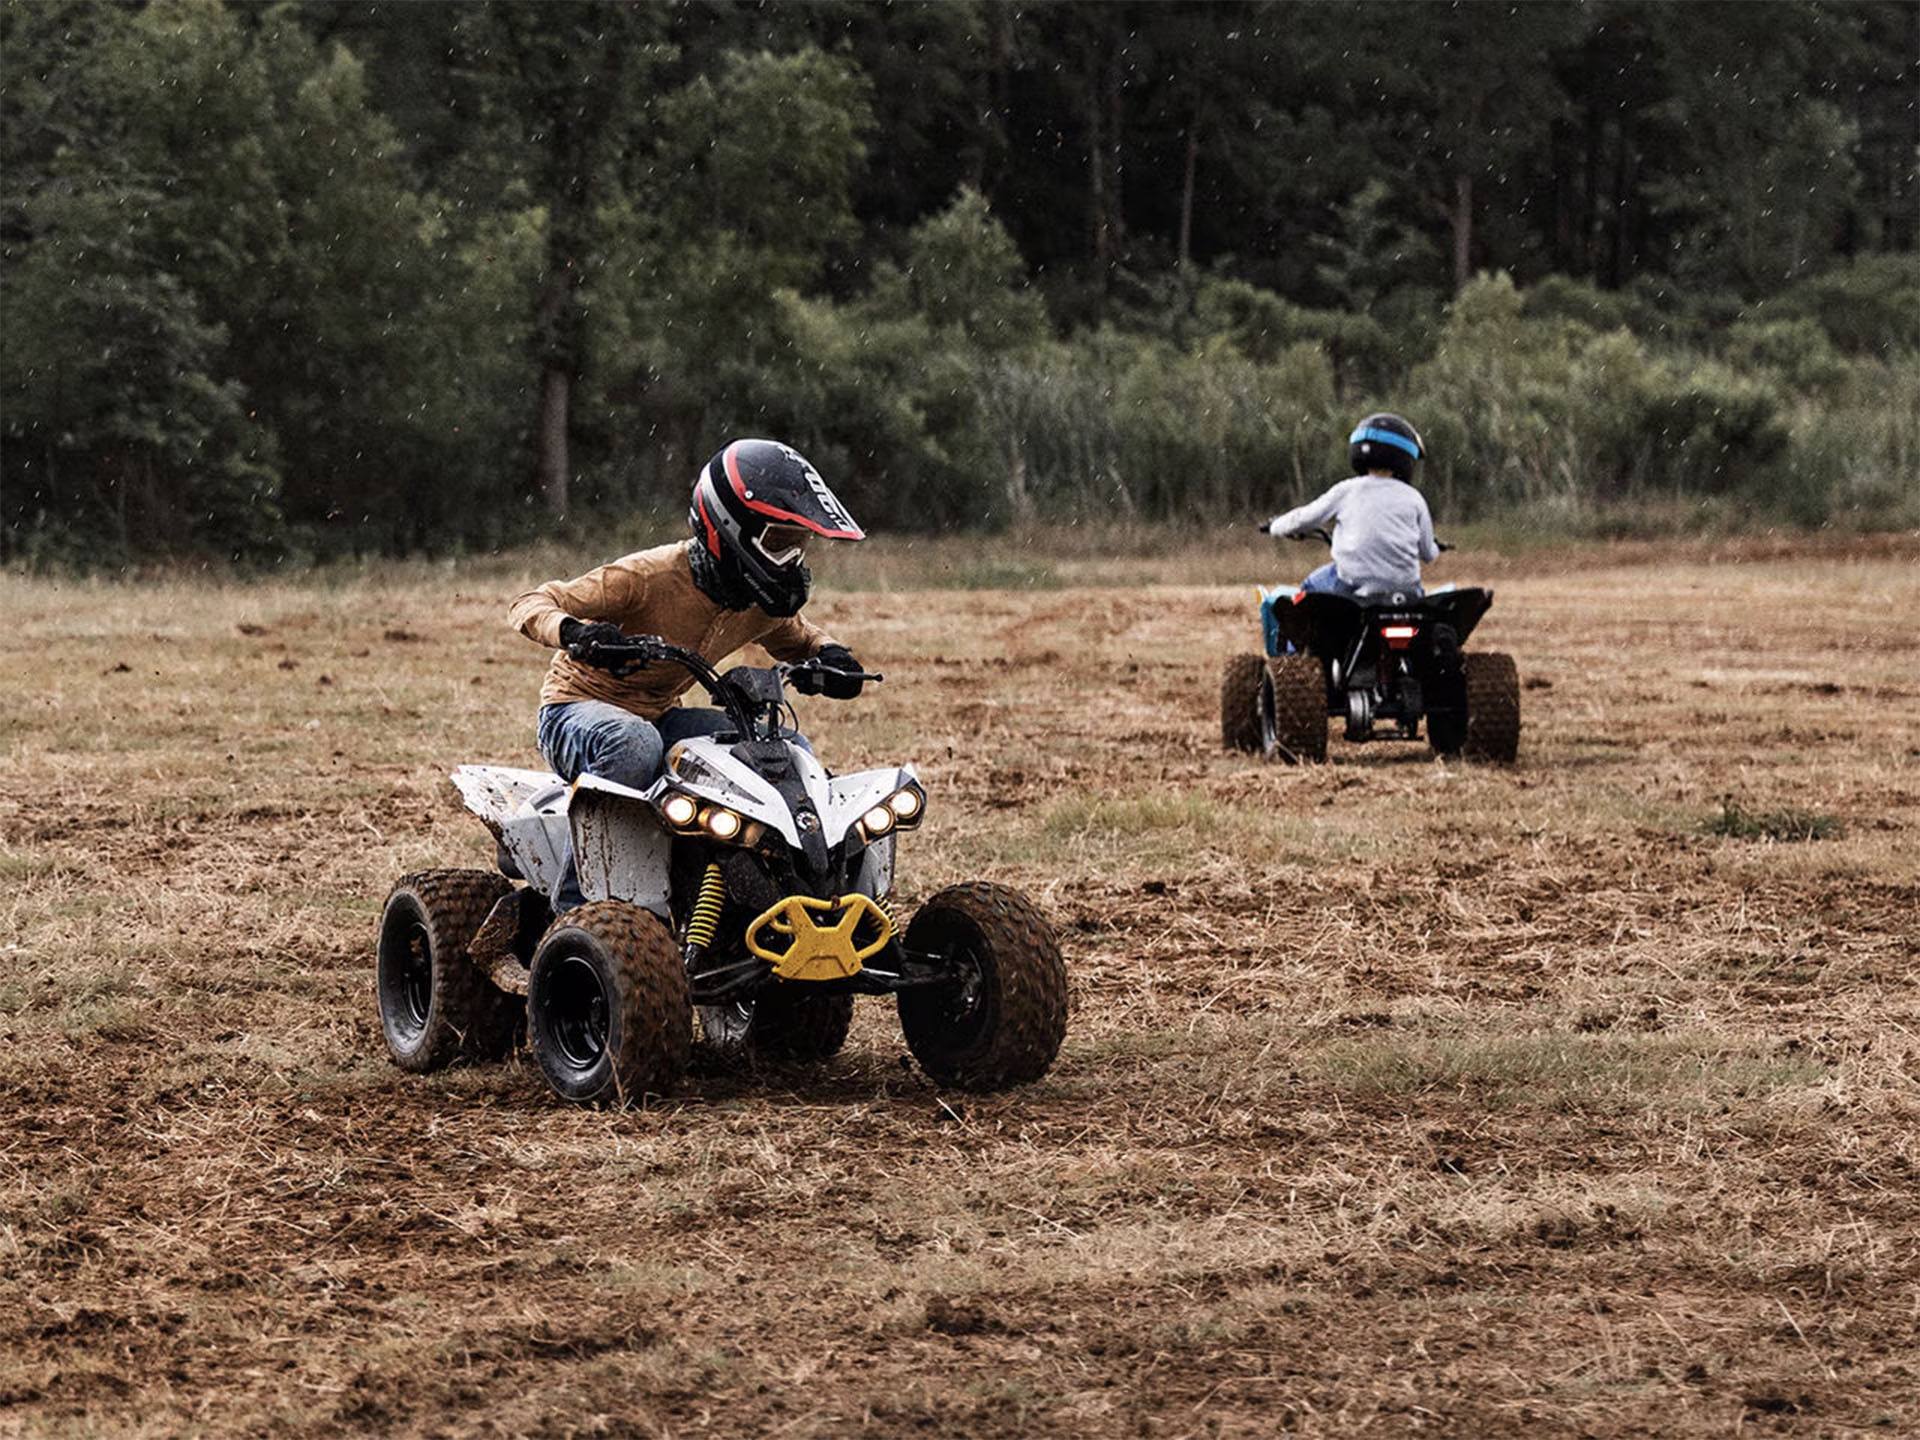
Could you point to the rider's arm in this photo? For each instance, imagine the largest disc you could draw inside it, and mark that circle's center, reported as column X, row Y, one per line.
column 612, row 592
column 795, row 638
column 1307, row 516
column 1429, row 547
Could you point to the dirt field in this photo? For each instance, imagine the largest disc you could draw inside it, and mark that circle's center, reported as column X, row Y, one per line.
column 1398, row 1096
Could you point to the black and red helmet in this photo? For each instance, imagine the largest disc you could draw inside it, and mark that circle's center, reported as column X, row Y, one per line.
column 756, row 507
column 1384, row 441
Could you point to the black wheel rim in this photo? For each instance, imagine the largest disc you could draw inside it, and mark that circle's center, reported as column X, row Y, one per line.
column 416, row 978
column 406, row 975
column 964, row 998
column 576, row 1012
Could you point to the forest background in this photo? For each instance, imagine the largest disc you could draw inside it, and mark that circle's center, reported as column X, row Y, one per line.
column 292, row 281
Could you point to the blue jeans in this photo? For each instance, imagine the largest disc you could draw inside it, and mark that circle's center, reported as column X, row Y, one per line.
column 591, row 737
column 1326, row 581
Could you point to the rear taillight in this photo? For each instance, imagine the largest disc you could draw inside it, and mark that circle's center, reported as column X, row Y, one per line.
column 1399, row 636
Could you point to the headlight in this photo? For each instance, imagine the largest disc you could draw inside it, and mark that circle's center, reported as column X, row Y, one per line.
column 721, row 824
column 680, row 810
column 901, row 809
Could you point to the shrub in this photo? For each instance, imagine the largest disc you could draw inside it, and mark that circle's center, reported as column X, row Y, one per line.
column 1868, row 307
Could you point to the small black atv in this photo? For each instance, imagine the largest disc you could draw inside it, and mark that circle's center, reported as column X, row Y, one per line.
column 1383, row 663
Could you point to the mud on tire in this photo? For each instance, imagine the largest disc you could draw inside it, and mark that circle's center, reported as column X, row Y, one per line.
column 1002, row 1022
column 1493, row 708
column 1240, row 702
column 436, row 1005
column 781, row 1022
column 1293, row 710
column 608, row 1018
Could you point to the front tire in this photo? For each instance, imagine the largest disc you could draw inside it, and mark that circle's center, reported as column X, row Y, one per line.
column 781, row 1022
column 1240, row 702
column 1493, row 708
column 607, row 1011
column 1001, row 1021
column 1293, row 710
column 436, row 1006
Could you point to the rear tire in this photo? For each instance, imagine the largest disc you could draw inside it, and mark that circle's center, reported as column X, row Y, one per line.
column 1002, row 1020
column 436, row 1005
column 1240, row 702
column 607, row 1011
column 781, row 1022
column 1493, row 708
column 1293, row 710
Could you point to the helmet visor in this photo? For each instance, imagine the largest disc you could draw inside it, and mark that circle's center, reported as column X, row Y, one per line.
column 783, row 545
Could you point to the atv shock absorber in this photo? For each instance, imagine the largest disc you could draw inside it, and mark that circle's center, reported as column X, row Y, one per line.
column 704, row 923
column 885, row 904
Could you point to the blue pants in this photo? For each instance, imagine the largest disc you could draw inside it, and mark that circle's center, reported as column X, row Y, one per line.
column 591, row 737
column 1326, row 581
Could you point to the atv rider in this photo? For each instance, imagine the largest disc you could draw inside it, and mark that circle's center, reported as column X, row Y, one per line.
column 1382, row 529
column 742, row 579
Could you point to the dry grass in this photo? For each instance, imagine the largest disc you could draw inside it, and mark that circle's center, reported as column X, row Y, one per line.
column 1398, row 1096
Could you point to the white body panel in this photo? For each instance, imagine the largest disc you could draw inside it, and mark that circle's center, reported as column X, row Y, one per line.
column 527, row 812
column 704, row 768
column 621, row 849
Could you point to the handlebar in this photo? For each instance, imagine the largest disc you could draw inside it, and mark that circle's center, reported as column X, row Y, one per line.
column 636, row 652
column 1318, row 533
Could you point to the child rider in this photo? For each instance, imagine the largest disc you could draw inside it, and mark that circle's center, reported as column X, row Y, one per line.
column 1382, row 531
column 742, row 579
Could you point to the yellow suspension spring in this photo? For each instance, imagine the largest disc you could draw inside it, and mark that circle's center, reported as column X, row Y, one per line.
column 885, row 902
column 705, row 920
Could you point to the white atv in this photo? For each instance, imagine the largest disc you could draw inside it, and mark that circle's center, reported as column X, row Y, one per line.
column 746, row 883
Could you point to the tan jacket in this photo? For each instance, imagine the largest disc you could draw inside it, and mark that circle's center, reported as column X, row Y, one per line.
column 650, row 592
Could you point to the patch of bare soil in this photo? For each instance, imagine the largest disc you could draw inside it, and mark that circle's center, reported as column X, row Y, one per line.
column 1398, row 1095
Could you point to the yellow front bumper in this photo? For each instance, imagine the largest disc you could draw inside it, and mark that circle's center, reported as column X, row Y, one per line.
column 808, row 939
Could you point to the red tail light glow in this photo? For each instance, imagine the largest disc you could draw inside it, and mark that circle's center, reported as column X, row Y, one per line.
column 1399, row 636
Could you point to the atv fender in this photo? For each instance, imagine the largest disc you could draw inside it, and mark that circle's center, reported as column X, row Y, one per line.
column 527, row 812
column 619, row 845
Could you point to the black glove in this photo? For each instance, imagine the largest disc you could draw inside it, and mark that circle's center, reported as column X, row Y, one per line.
column 838, row 677
column 581, row 636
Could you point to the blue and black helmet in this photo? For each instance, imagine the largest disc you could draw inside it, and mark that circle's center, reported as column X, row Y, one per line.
column 1385, row 442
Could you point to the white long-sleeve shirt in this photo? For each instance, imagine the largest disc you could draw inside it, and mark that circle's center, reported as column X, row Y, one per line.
column 1382, row 531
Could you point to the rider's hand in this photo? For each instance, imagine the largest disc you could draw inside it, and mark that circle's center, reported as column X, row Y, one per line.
column 1272, row 527
column 838, row 677
column 582, row 636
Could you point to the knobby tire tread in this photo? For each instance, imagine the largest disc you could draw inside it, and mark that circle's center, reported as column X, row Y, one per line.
column 652, row 1036
column 1493, row 708
column 1240, row 702
column 1299, row 708
column 469, row 1018
column 1030, row 992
